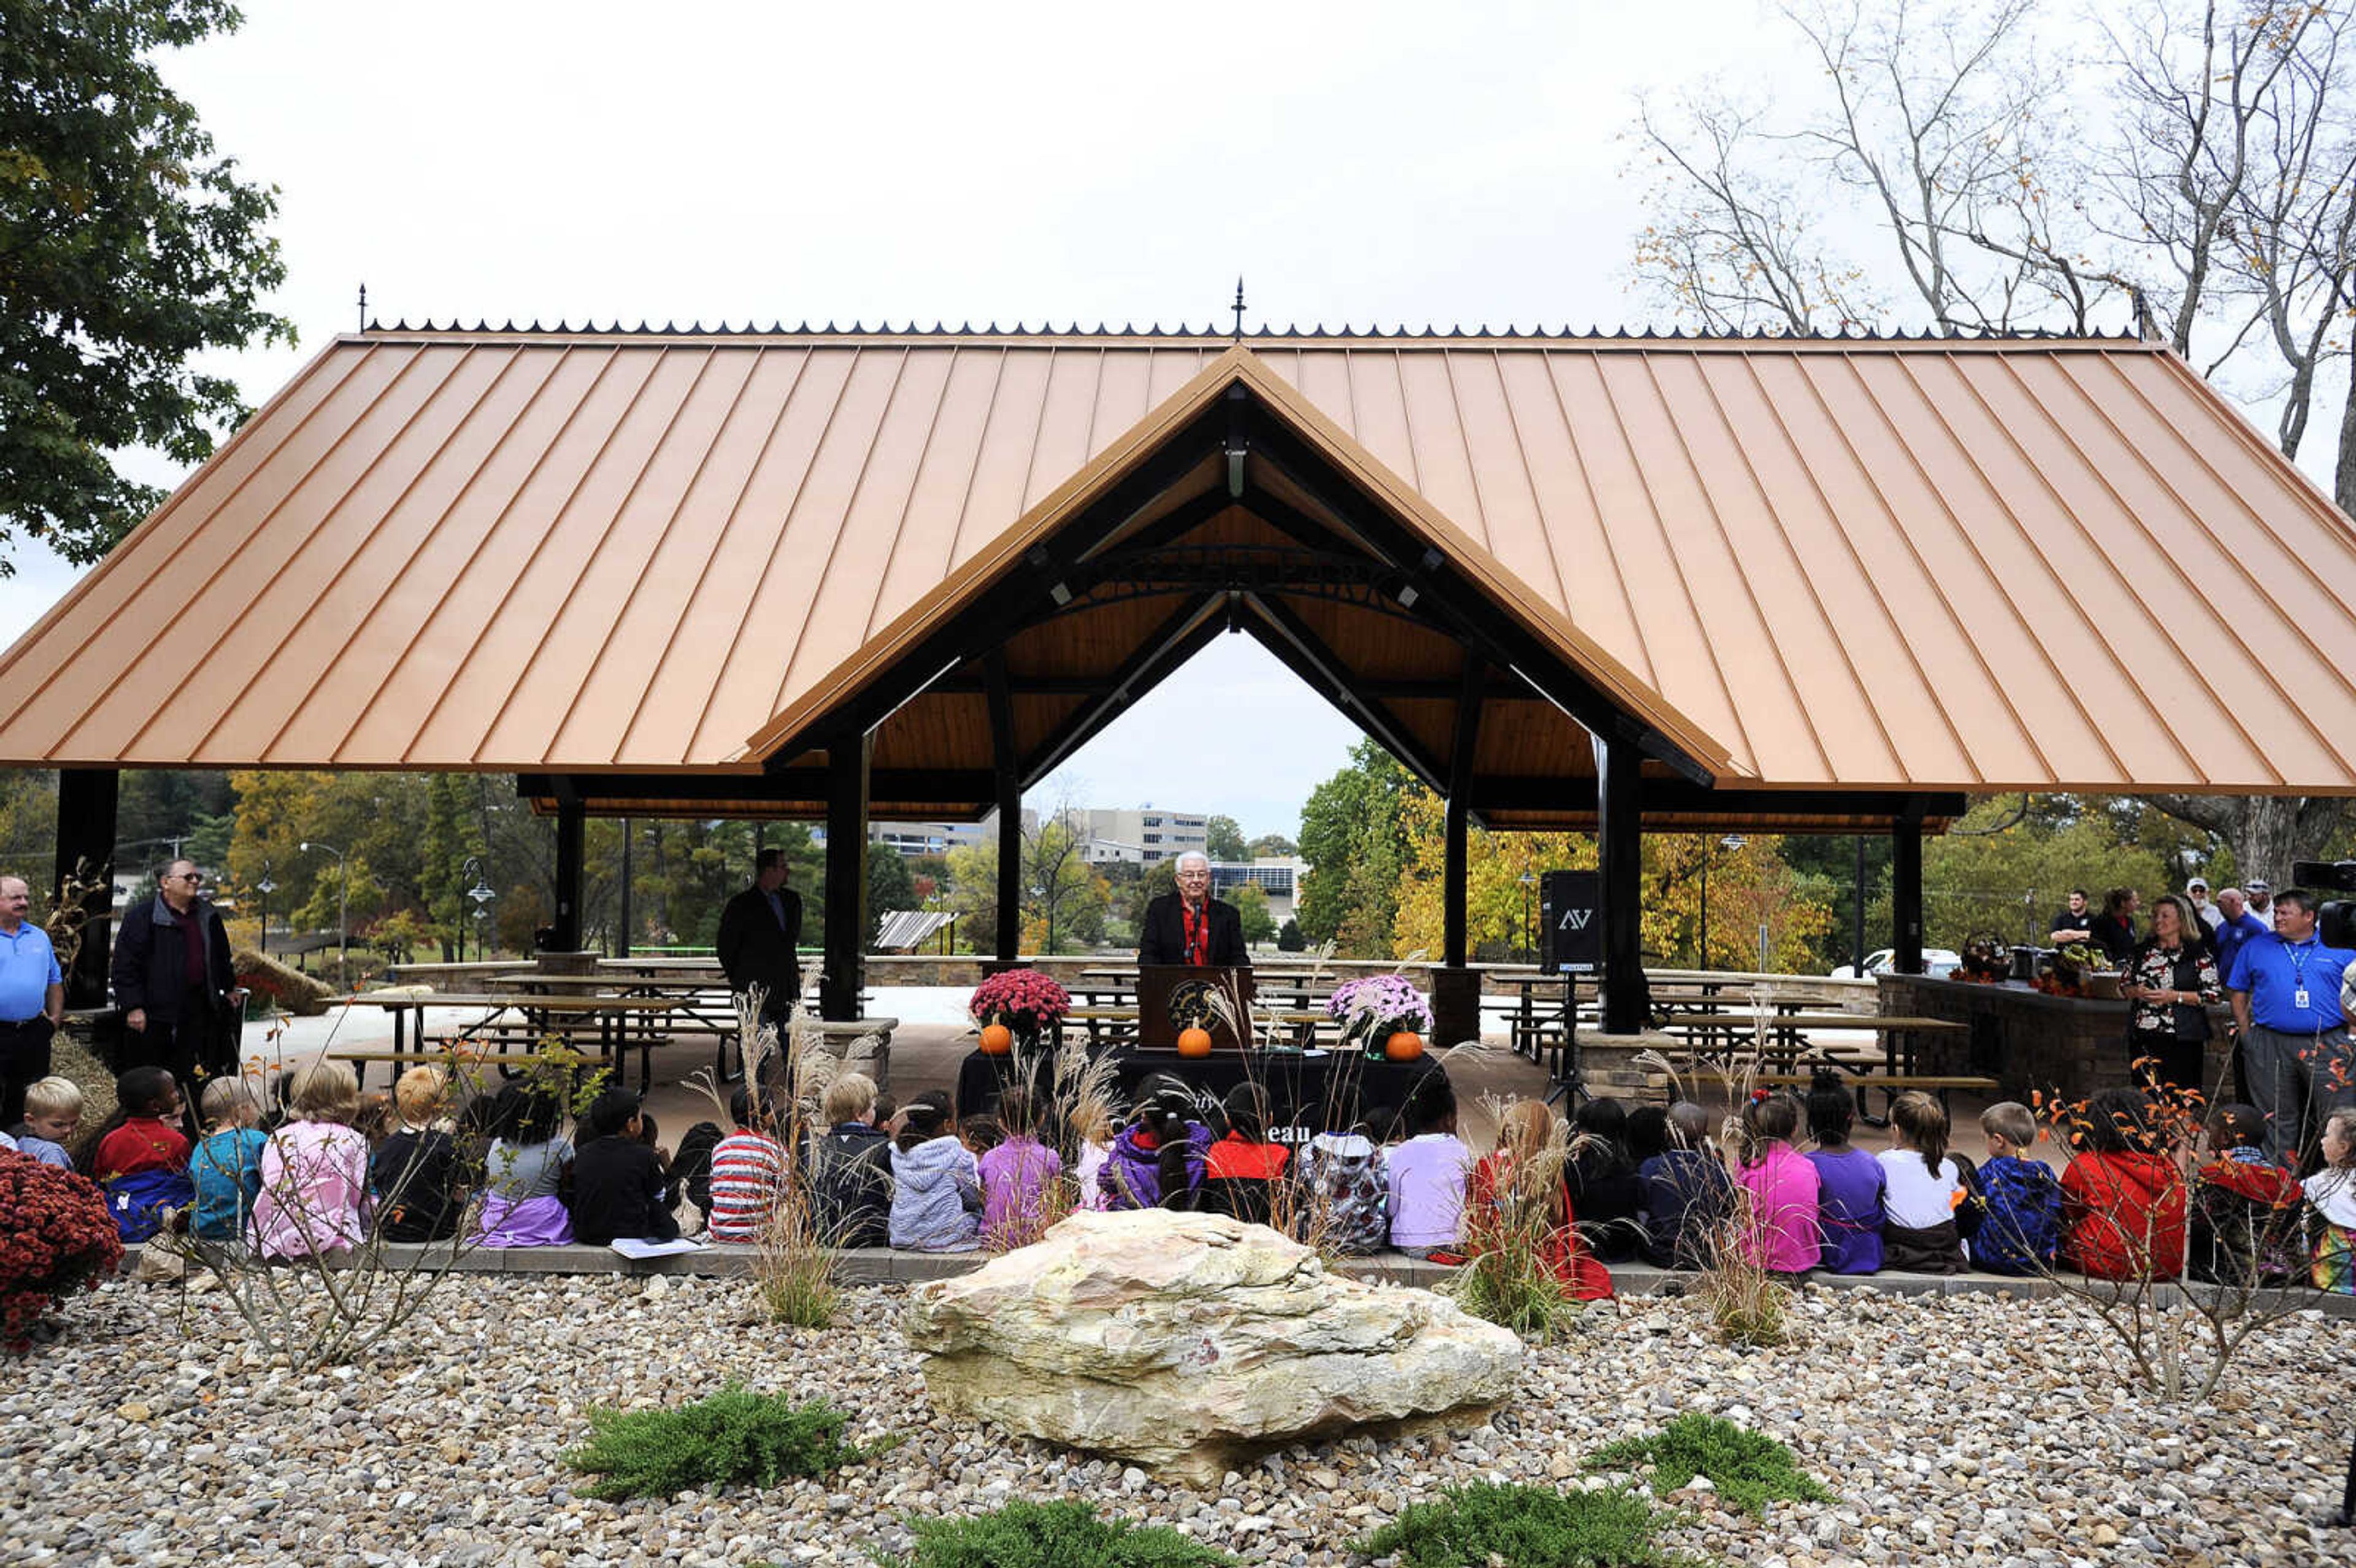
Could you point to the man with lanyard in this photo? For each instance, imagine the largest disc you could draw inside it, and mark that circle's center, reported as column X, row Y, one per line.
column 2285, row 987
column 32, row 998
column 174, row 978
column 1189, row 926
column 760, row 938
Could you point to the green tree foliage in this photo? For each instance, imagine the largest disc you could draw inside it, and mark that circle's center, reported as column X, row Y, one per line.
column 1289, row 938
column 1354, row 839
column 972, row 894
column 128, row 247
column 1273, row 844
column 1063, row 900
column 1251, row 905
column 1227, row 839
column 29, row 826
column 890, row 885
column 2008, row 881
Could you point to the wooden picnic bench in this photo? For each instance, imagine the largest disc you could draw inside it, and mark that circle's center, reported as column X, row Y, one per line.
column 536, row 1016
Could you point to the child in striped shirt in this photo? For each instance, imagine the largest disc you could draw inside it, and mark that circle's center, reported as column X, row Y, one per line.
column 748, row 1170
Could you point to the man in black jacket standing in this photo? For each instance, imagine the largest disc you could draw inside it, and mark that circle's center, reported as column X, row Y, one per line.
column 760, row 931
column 1189, row 926
column 175, row 980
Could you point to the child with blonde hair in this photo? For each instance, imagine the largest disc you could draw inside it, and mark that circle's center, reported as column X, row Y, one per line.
column 2332, row 1191
column 227, row 1164
column 52, row 1117
column 420, row 1192
column 315, row 1169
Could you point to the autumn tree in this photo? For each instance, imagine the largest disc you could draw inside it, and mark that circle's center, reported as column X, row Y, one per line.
column 129, row 248
column 1354, row 837
column 1226, row 837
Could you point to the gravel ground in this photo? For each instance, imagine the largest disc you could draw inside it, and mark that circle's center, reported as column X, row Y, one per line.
column 1965, row 1429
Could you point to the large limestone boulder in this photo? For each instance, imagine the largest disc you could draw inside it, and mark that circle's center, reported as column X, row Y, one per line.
column 1186, row 1343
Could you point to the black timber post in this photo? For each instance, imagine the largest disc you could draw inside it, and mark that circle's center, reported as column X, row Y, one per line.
column 1000, row 692
column 845, row 975
column 622, row 922
column 571, row 834
column 1460, row 796
column 1619, row 833
column 1906, row 890
column 86, row 803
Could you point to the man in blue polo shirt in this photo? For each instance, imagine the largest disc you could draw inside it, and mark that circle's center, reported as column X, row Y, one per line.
column 2295, row 1058
column 32, row 998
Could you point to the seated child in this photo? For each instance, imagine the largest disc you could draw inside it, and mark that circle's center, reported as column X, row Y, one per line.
column 1605, row 1192
column 2123, row 1199
column 1517, row 1198
column 2019, row 1200
column 1850, row 1182
column 621, row 1187
column 141, row 1160
column 1922, row 1232
column 315, row 1169
column 2332, row 1191
column 1156, row 1162
column 525, row 1171
column 852, row 1166
column 1018, row 1174
column 1779, row 1223
column 982, row 1133
column 1240, row 1176
column 1688, row 1197
column 936, row 1187
column 748, row 1174
column 2245, row 1209
column 52, row 1117
column 1428, row 1173
column 1345, row 1191
column 420, row 1187
column 375, row 1118
column 226, row 1166
column 1091, row 1131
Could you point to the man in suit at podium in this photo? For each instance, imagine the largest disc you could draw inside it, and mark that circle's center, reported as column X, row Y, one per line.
column 1189, row 926
column 759, row 931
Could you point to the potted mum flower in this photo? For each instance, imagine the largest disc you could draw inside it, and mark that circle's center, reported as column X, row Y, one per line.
column 1374, row 1010
column 1024, row 1002
column 59, row 1239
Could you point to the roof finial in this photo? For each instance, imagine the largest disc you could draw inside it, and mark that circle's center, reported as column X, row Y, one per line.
column 363, row 306
column 1239, row 307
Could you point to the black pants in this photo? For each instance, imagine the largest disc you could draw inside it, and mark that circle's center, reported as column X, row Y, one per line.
column 24, row 1062
column 177, row 1045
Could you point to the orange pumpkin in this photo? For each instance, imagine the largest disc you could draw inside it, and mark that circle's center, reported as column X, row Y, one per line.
column 997, row 1040
column 1195, row 1042
column 1403, row 1046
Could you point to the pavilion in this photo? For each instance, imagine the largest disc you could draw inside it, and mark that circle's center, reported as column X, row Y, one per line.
column 1619, row 583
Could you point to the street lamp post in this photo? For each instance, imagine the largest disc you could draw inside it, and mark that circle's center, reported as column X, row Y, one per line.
column 1731, row 842
column 265, row 888
column 343, row 915
column 482, row 895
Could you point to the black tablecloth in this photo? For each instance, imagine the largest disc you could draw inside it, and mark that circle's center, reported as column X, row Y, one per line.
column 1317, row 1091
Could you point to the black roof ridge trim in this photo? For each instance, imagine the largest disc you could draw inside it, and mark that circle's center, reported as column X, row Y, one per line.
column 1846, row 332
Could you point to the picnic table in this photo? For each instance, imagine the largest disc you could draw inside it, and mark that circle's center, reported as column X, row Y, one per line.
column 559, row 1013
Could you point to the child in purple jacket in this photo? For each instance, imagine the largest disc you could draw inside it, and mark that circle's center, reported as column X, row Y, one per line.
column 1016, row 1177
column 1779, row 1228
column 1156, row 1162
column 1850, row 1182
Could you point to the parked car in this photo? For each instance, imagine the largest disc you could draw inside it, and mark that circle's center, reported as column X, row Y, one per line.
column 1937, row 963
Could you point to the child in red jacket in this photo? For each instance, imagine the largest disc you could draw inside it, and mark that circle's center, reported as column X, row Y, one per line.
column 2123, row 1197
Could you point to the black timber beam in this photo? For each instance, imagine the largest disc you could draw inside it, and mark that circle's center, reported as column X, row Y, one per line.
column 1297, row 645
column 1467, row 741
column 1461, row 606
column 1008, row 765
column 802, row 784
column 87, row 801
column 1620, row 853
column 1906, row 890
column 847, row 788
column 1178, row 638
column 1674, row 797
column 1394, row 689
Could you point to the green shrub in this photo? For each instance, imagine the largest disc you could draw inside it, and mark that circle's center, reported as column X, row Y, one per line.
column 1748, row 1468
column 1486, row 1525
column 735, row 1437
column 1054, row 1535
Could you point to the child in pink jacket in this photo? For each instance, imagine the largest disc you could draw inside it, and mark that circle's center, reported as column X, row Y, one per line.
column 1782, row 1190
column 315, row 1169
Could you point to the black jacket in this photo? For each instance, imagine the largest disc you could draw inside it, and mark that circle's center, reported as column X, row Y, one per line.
column 150, row 966
column 1163, row 937
column 754, row 952
column 617, row 1190
column 852, row 1177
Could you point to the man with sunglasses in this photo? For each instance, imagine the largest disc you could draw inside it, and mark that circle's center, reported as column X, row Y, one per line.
column 173, row 978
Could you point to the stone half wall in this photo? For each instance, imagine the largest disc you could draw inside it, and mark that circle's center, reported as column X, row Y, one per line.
column 2027, row 1041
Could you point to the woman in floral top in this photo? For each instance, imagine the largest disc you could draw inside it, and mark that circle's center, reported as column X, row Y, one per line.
column 2171, row 984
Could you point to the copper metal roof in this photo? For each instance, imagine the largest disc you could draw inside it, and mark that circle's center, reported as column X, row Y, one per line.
column 1827, row 564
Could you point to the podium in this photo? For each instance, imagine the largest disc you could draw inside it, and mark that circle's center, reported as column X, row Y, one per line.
column 1167, row 991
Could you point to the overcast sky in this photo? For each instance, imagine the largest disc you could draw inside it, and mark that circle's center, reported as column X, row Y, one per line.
column 1369, row 162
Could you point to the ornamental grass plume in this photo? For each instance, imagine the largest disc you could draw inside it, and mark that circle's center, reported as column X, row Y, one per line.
column 57, row 1238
